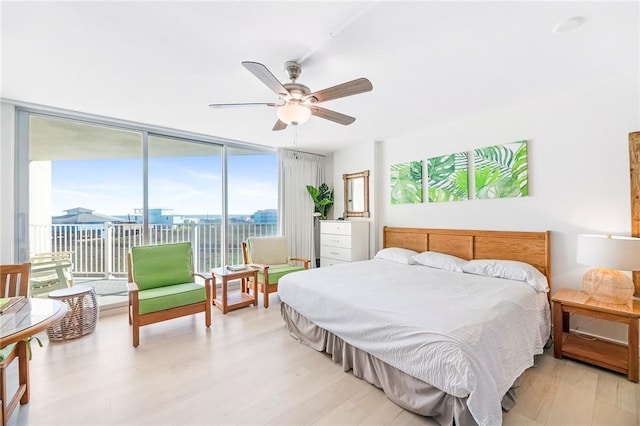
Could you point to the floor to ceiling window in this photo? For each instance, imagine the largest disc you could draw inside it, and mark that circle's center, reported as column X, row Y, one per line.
column 185, row 196
column 252, row 181
column 97, row 189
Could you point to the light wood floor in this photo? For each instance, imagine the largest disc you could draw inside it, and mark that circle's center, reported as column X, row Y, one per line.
column 247, row 370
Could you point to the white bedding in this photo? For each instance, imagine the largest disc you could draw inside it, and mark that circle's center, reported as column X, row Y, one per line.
column 467, row 335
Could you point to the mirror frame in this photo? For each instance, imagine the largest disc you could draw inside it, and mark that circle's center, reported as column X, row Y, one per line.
column 347, row 178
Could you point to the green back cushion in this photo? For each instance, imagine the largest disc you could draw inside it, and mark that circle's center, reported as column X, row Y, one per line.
column 268, row 250
column 161, row 265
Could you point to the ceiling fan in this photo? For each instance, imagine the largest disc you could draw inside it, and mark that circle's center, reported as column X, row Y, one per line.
column 296, row 103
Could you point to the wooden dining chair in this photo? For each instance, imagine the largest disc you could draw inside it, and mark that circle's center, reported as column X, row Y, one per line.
column 14, row 281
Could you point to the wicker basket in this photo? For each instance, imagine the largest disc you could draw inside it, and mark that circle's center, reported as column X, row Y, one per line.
column 82, row 313
column 608, row 286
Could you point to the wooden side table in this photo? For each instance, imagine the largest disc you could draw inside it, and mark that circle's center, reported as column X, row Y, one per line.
column 613, row 356
column 228, row 302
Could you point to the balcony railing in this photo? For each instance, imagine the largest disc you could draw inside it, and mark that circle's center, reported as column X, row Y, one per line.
column 100, row 250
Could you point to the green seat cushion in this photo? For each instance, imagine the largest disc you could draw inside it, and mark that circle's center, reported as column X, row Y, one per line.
column 278, row 271
column 161, row 265
column 6, row 351
column 173, row 296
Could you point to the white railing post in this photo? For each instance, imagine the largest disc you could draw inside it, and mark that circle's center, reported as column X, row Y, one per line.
column 108, row 250
column 87, row 249
column 195, row 244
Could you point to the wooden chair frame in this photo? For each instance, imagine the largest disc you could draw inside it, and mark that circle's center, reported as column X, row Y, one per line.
column 264, row 287
column 11, row 286
column 136, row 320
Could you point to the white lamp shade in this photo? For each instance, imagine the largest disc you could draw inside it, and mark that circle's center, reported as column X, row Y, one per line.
column 293, row 113
column 611, row 252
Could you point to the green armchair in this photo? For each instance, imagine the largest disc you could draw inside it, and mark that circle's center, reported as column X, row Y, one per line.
column 162, row 286
column 271, row 256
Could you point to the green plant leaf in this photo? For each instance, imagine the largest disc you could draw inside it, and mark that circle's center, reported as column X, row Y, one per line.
column 322, row 198
column 519, row 170
column 438, row 195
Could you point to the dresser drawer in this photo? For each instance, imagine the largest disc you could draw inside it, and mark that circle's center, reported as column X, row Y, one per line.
column 335, row 240
column 338, row 253
column 325, row 261
column 338, row 227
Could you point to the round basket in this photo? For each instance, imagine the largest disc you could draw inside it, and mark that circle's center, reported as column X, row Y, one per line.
column 608, row 286
column 82, row 313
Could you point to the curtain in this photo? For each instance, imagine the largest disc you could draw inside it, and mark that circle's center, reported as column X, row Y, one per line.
column 296, row 170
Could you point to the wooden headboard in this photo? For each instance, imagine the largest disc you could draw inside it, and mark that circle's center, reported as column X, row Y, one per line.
column 530, row 247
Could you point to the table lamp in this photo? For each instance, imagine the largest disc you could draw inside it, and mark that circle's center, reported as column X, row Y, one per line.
column 609, row 254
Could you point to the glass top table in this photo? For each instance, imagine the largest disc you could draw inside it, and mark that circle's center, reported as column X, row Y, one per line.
column 33, row 317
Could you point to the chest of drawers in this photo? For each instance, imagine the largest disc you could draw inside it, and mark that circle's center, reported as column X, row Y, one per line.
column 343, row 241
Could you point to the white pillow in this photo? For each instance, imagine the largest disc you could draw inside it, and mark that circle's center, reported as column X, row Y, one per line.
column 509, row 269
column 397, row 254
column 438, row 260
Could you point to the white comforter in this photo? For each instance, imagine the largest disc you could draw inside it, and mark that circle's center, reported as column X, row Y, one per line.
column 467, row 335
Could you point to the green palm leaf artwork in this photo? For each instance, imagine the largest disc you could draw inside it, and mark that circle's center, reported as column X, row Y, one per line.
column 448, row 178
column 501, row 171
column 406, row 183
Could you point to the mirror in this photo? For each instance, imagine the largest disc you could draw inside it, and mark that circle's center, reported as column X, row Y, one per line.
column 356, row 194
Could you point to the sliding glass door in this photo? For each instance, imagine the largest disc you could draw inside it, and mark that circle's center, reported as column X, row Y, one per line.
column 252, row 200
column 85, row 181
column 185, row 197
column 97, row 189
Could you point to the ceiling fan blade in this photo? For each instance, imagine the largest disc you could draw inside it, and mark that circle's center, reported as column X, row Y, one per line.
column 246, row 104
column 349, row 88
column 265, row 76
column 331, row 115
column 280, row 125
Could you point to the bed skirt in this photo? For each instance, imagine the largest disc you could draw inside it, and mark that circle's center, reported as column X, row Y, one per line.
column 406, row 391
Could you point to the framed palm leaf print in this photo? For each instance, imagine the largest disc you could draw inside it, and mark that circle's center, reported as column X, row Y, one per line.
column 501, row 171
column 448, row 177
column 406, row 183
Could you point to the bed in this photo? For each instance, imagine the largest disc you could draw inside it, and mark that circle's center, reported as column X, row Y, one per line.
column 439, row 341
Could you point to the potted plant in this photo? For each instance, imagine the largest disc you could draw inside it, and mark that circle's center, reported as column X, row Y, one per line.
column 322, row 199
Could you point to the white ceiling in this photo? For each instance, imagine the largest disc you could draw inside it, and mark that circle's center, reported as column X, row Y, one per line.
column 162, row 63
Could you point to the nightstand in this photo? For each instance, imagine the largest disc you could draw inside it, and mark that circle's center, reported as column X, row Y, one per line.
column 613, row 356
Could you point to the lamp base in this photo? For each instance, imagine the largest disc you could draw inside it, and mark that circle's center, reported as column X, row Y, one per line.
column 608, row 286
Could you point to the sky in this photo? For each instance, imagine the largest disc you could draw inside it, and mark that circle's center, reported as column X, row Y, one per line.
column 187, row 185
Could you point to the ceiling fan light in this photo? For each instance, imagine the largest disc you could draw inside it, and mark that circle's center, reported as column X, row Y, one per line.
column 293, row 113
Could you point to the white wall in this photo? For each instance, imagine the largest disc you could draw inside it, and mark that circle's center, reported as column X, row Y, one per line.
column 355, row 159
column 578, row 174
column 7, row 193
